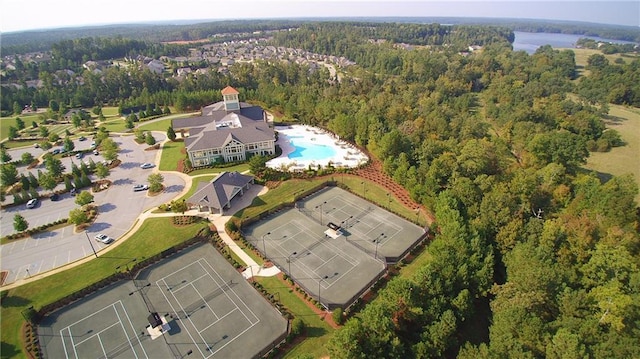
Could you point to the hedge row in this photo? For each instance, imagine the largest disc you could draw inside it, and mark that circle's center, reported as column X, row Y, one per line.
column 32, row 231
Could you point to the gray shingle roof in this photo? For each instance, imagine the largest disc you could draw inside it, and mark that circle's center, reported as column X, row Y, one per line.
column 220, row 190
column 248, row 126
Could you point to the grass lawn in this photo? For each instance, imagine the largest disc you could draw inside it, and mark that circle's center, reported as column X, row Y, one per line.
column 582, row 55
column 110, row 111
column 240, row 168
column 625, row 159
column 380, row 196
column 115, row 125
column 163, row 123
column 171, row 155
column 318, row 331
column 409, row 270
column 6, row 122
column 144, row 243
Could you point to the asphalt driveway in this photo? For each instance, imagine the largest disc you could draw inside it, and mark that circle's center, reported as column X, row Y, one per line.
column 118, row 208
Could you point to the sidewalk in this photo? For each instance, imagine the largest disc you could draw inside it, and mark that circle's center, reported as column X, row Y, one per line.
column 253, row 269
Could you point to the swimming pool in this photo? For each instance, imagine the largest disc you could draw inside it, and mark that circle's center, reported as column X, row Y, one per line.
column 307, row 146
column 305, row 149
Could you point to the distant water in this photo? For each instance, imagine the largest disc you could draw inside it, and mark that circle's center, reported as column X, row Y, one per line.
column 530, row 41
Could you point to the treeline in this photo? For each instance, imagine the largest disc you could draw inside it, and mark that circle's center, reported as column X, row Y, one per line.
column 352, row 39
column 42, row 40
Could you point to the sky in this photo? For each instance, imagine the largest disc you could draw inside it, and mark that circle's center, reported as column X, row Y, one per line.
column 19, row 15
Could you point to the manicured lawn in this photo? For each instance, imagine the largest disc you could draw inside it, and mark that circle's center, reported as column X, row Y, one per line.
column 625, row 159
column 6, row 122
column 110, row 111
column 418, row 262
column 115, row 125
column 144, row 243
column 318, row 331
column 163, row 123
column 274, row 197
column 239, row 168
column 378, row 195
column 171, row 154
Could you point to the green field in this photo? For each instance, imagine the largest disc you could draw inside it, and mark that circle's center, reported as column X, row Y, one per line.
column 318, row 332
column 625, row 159
column 582, row 55
column 6, row 122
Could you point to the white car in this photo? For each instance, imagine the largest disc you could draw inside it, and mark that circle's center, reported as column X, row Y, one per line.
column 140, row 187
column 100, row 237
column 32, row 203
column 146, row 165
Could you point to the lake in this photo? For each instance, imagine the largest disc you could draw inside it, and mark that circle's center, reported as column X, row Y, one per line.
column 530, row 41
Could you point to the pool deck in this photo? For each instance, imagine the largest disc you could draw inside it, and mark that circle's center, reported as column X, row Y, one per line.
column 346, row 155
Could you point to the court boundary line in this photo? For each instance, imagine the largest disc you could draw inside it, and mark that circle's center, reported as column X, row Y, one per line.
column 119, row 322
column 313, row 272
column 198, row 330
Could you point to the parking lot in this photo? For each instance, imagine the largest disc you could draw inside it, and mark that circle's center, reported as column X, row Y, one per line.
column 118, row 208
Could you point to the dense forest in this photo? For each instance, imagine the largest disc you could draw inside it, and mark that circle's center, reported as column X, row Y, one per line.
column 41, row 40
column 533, row 256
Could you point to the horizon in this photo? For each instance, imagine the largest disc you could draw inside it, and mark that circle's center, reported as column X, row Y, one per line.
column 44, row 15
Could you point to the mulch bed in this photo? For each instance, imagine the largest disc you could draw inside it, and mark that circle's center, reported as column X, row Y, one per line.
column 374, row 173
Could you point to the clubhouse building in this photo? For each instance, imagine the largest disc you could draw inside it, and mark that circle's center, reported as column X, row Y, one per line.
column 226, row 131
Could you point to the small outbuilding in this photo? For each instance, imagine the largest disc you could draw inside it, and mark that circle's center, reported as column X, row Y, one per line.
column 216, row 196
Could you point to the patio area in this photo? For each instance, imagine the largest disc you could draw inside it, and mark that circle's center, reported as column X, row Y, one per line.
column 292, row 139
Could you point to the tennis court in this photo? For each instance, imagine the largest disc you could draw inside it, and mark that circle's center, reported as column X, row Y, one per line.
column 205, row 309
column 334, row 266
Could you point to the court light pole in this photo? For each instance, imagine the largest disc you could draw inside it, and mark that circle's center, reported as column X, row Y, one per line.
column 264, row 246
column 377, row 242
column 389, row 200
column 91, row 244
column 142, row 295
column 363, row 190
column 289, row 261
column 321, row 209
column 320, row 281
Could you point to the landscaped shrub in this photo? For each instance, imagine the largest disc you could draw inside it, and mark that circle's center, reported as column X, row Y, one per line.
column 337, row 316
column 297, row 327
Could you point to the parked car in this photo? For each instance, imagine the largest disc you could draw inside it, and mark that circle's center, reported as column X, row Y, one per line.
column 79, row 155
column 95, row 152
column 140, row 187
column 32, row 203
column 103, row 238
column 36, row 145
column 146, row 165
column 93, row 144
column 54, row 197
column 73, row 191
column 56, row 151
column 82, row 138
